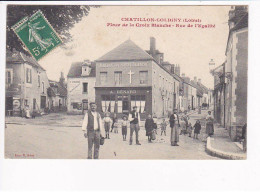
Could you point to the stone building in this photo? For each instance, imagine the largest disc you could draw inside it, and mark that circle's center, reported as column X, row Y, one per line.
column 80, row 86
column 58, row 95
column 230, row 78
column 26, row 84
column 219, row 94
column 236, row 71
column 190, row 99
column 128, row 76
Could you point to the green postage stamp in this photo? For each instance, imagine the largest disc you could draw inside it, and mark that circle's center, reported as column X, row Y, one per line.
column 37, row 35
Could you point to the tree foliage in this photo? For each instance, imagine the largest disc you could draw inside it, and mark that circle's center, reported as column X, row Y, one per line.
column 61, row 17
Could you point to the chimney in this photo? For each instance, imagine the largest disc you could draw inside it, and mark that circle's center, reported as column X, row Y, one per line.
column 62, row 79
column 177, row 70
column 152, row 45
column 173, row 68
column 199, row 80
column 195, row 79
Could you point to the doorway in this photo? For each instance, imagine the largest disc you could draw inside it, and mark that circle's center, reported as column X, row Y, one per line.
column 125, row 104
column 9, row 106
column 43, row 102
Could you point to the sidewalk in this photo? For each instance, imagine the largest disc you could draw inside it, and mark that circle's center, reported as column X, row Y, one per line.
column 221, row 146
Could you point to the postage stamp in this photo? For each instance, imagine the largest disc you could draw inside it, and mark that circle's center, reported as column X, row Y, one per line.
column 37, row 35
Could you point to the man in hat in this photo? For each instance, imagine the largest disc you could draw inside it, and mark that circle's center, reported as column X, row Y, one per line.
column 134, row 119
column 93, row 128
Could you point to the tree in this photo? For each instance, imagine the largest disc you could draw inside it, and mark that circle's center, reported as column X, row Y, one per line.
column 61, row 17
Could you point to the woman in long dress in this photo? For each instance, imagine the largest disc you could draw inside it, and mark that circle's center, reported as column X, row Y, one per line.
column 209, row 124
column 174, row 124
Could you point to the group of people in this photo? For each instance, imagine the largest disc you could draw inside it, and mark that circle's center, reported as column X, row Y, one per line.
column 93, row 127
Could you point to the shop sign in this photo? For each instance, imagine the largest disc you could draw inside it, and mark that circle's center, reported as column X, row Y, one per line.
column 126, row 91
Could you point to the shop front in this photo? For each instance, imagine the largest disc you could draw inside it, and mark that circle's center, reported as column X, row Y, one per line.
column 121, row 100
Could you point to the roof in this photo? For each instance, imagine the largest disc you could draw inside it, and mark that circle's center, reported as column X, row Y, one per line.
column 76, row 70
column 242, row 23
column 19, row 57
column 127, row 51
column 61, row 90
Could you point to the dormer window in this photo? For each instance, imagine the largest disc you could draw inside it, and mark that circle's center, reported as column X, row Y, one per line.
column 86, row 68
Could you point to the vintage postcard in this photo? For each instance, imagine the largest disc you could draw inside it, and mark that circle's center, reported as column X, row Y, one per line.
column 126, row 82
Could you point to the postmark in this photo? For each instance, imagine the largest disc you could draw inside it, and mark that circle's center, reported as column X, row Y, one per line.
column 37, row 35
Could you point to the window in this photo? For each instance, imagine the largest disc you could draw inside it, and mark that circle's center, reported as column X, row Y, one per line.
column 42, row 87
column 85, row 87
column 108, row 103
column 143, row 77
column 39, row 80
column 28, row 75
column 103, row 78
column 139, row 101
column 9, row 76
column 76, row 105
column 118, row 77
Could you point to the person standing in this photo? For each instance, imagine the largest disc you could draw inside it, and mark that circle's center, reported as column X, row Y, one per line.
column 134, row 119
column 186, row 118
column 209, row 124
column 124, row 127
column 163, row 127
column 197, row 128
column 107, row 124
column 114, row 120
column 149, row 127
column 174, row 124
column 93, row 129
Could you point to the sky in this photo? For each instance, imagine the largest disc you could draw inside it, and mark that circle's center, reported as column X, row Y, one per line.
column 191, row 48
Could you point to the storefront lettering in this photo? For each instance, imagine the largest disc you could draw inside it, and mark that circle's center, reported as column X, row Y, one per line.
column 132, row 64
column 126, row 91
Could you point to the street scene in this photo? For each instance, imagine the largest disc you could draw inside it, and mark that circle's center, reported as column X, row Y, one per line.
column 131, row 86
column 65, row 140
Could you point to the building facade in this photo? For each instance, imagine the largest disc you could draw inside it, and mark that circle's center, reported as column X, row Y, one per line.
column 236, row 71
column 128, row 76
column 58, row 95
column 26, row 85
column 81, row 81
column 230, row 78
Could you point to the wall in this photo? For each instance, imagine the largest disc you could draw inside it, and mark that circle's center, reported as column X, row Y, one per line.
column 241, row 79
column 163, row 91
column 75, row 92
column 125, row 67
column 33, row 90
column 236, row 88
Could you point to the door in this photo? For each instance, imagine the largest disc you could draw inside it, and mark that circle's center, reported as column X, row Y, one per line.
column 9, row 106
column 125, row 104
column 34, row 104
column 43, row 102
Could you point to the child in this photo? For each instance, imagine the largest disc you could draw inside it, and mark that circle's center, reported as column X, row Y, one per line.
column 155, row 123
column 189, row 129
column 149, row 127
column 116, row 125
column 197, row 128
column 183, row 126
column 163, row 127
column 107, row 122
column 124, row 127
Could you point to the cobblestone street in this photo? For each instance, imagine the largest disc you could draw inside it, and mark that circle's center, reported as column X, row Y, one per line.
column 60, row 136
